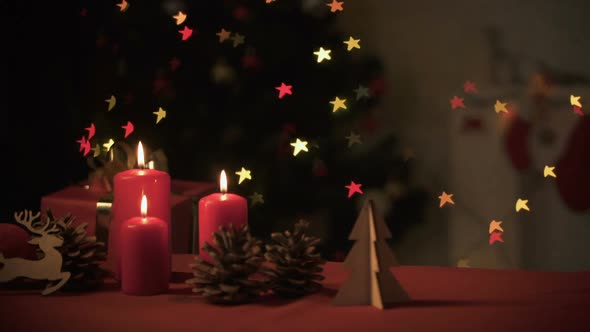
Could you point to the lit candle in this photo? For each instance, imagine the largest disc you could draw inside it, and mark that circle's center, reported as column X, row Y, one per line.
column 129, row 186
column 145, row 255
column 220, row 209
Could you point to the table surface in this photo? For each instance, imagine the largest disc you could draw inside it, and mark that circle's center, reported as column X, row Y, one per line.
column 443, row 299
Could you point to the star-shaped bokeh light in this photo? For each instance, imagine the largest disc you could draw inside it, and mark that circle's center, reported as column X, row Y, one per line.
column 338, row 104
column 123, row 5
column 180, row 17
column 107, row 146
column 186, row 33
column 496, row 237
column 335, row 6
column 352, row 43
column 96, row 151
column 575, row 101
column 522, row 204
column 446, row 198
column 495, row 225
column 84, row 145
column 256, row 199
column 323, row 54
column 361, row 92
column 469, row 87
column 299, row 146
column 549, row 171
column 457, row 102
column 112, row 101
column 91, row 131
column 223, row 35
column 237, row 39
column 284, row 90
column 353, row 138
column 244, row 174
column 161, row 114
column 353, row 188
column 129, row 128
column 500, row 107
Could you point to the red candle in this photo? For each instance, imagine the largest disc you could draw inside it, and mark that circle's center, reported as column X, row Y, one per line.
column 129, row 186
column 145, row 257
column 220, row 209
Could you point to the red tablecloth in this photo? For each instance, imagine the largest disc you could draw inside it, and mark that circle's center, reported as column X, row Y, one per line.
column 444, row 299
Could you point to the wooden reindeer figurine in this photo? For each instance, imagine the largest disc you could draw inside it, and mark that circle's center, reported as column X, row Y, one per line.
column 46, row 268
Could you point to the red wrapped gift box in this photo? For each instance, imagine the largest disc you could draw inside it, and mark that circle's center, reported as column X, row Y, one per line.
column 92, row 206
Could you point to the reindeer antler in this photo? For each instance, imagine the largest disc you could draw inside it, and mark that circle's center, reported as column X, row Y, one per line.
column 27, row 221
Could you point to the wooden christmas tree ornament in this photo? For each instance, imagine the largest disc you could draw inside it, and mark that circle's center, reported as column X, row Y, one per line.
column 370, row 281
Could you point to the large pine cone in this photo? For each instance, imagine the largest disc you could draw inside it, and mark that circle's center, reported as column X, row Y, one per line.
column 297, row 266
column 82, row 254
column 228, row 277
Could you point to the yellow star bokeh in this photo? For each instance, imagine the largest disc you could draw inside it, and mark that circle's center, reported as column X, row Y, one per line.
column 244, row 174
column 338, row 104
column 522, row 204
column 549, row 171
column 112, row 102
column 352, row 43
column 96, row 151
column 161, row 113
column 575, row 101
column 108, row 144
column 500, row 107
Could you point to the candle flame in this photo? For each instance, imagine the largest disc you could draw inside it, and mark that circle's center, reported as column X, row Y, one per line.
column 143, row 206
column 223, row 182
column 140, row 158
column 151, row 164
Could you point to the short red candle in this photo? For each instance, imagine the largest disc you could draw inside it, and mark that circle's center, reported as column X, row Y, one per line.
column 220, row 209
column 129, row 186
column 145, row 258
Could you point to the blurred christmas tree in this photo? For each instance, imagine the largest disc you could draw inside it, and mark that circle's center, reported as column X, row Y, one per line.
column 224, row 111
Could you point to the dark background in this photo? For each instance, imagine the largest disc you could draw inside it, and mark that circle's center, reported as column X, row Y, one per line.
column 56, row 77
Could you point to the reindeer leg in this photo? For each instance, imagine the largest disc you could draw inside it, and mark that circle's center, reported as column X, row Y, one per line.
column 65, row 276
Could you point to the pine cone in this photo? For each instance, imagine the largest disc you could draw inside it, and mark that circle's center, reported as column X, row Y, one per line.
column 82, row 255
column 297, row 265
column 227, row 278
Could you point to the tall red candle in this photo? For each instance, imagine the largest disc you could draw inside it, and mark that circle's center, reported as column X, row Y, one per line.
column 220, row 209
column 129, row 186
column 145, row 258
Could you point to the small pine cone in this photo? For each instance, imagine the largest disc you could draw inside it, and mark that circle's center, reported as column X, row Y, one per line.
column 82, row 254
column 297, row 266
column 228, row 276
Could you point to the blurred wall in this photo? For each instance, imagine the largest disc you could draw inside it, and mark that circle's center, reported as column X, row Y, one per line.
column 430, row 48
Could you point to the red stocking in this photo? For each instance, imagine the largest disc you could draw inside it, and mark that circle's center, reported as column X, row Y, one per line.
column 573, row 170
column 516, row 142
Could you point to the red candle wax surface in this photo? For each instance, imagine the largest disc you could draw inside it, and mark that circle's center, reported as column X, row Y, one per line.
column 145, row 258
column 129, row 186
column 220, row 209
